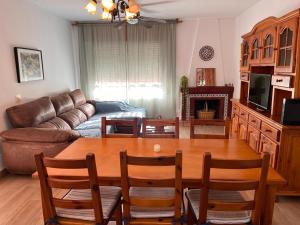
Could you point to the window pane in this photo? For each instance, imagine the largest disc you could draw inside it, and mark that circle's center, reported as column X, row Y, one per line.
column 288, row 57
column 281, row 57
column 283, row 38
column 290, row 37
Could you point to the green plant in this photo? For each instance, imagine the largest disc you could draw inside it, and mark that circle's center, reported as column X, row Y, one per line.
column 184, row 82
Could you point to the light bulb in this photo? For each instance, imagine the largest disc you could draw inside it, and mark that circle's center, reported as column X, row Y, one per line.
column 91, row 7
column 133, row 6
column 108, row 4
column 129, row 15
column 106, row 15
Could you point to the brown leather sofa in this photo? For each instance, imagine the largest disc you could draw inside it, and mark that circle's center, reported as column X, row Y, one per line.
column 44, row 125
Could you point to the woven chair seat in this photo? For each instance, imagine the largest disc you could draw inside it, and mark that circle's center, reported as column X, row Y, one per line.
column 110, row 196
column 151, row 193
column 219, row 217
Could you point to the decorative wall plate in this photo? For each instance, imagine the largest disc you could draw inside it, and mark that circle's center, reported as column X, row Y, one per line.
column 206, row 53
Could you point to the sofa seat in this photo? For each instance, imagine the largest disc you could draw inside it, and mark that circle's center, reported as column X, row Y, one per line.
column 92, row 127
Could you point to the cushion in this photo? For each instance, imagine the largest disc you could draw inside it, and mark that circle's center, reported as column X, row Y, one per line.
column 41, row 135
column 32, row 113
column 151, row 192
column 78, row 97
column 88, row 109
column 220, row 217
column 62, row 103
column 73, row 117
column 109, row 198
column 56, row 123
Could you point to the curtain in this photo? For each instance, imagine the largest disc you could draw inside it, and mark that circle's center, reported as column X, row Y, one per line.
column 133, row 64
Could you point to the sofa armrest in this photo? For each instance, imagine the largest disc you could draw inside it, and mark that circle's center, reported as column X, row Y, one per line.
column 40, row 135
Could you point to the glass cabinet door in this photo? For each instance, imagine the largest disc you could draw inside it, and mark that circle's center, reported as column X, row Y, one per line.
column 245, row 56
column 268, row 46
column 287, row 37
column 255, row 49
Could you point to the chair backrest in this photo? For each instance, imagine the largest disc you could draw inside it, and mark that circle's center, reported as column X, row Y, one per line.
column 160, row 128
column 257, row 185
column 129, row 125
column 48, row 182
column 128, row 181
column 222, row 123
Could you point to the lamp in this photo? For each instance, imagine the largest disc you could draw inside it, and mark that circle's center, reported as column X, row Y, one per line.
column 91, row 7
column 133, row 6
column 108, row 4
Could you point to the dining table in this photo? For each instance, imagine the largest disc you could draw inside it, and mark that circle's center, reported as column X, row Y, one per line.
column 107, row 155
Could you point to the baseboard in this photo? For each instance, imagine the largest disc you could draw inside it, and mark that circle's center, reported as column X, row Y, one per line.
column 3, row 173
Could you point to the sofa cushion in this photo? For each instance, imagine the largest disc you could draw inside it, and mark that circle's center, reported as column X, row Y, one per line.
column 62, row 103
column 73, row 117
column 88, row 109
column 32, row 113
column 56, row 123
column 78, row 97
column 41, row 135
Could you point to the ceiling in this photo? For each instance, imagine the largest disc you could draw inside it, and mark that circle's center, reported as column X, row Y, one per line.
column 170, row 9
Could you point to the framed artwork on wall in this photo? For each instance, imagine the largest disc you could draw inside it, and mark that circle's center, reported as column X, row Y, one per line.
column 205, row 76
column 29, row 63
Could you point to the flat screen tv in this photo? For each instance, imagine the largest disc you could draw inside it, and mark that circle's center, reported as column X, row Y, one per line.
column 260, row 90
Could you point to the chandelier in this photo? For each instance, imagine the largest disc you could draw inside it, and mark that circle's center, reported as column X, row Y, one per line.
column 116, row 10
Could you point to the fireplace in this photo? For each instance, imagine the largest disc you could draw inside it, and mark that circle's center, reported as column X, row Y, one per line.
column 217, row 98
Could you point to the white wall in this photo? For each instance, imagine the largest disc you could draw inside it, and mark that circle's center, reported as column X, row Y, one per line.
column 246, row 21
column 24, row 25
column 192, row 34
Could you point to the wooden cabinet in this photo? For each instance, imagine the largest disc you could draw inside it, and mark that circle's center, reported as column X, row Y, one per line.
column 253, row 138
column 264, row 134
column 267, row 145
column 242, row 129
column 287, row 40
column 255, row 46
column 268, row 39
column 235, row 126
column 245, row 56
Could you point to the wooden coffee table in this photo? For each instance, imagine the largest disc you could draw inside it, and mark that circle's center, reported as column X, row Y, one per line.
column 107, row 150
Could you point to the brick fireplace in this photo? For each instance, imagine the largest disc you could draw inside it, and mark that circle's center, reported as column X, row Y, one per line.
column 217, row 98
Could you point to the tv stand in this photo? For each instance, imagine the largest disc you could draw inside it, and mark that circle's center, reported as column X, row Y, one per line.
column 262, row 129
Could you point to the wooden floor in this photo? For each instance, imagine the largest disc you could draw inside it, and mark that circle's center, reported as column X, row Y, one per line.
column 20, row 201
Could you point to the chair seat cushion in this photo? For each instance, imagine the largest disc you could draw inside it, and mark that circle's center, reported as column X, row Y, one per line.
column 109, row 198
column 220, row 217
column 152, row 193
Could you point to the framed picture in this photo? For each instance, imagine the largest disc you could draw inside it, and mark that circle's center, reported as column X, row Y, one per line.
column 29, row 63
column 205, row 76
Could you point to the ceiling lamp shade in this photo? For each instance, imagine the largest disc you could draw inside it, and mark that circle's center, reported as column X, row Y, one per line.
column 91, row 7
column 108, row 4
column 133, row 6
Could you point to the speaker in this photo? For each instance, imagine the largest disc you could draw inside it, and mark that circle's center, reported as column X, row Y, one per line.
column 290, row 112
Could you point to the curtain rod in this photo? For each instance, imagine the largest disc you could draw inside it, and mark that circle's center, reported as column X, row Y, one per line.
column 76, row 23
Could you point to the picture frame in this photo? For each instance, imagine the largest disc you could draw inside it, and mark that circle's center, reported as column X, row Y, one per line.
column 29, row 64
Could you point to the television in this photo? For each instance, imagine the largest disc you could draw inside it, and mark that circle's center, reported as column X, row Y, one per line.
column 260, row 90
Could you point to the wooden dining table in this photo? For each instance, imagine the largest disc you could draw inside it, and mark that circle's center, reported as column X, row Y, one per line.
column 107, row 154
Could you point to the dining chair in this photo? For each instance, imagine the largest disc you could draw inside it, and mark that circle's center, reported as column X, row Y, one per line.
column 85, row 202
column 222, row 202
column 216, row 122
column 160, row 128
column 151, row 201
column 127, row 128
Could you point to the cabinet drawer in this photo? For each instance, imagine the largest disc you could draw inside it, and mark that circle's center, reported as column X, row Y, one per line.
column 267, row 145
column 243, row 114
column 270, row 132
column 253, row 136
column 255, row 122
column 281, row 81
column 244, row 76
column 235, row 109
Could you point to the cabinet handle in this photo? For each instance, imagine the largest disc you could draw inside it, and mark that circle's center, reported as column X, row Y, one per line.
column 269, row 131
column 279, row 80
column 253, row 121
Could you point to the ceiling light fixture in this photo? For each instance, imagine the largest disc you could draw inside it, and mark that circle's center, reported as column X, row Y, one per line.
column 116, row 10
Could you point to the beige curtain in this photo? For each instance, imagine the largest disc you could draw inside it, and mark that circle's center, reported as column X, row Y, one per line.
column 136, row 65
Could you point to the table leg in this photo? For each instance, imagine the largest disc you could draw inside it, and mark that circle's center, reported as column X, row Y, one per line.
column 268, row 210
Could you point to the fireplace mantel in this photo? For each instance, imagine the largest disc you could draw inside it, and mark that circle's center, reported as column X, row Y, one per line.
column 222, row 93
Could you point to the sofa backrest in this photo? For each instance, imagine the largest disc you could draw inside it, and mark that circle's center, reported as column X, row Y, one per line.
column 32, row 113
column 64, row 111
